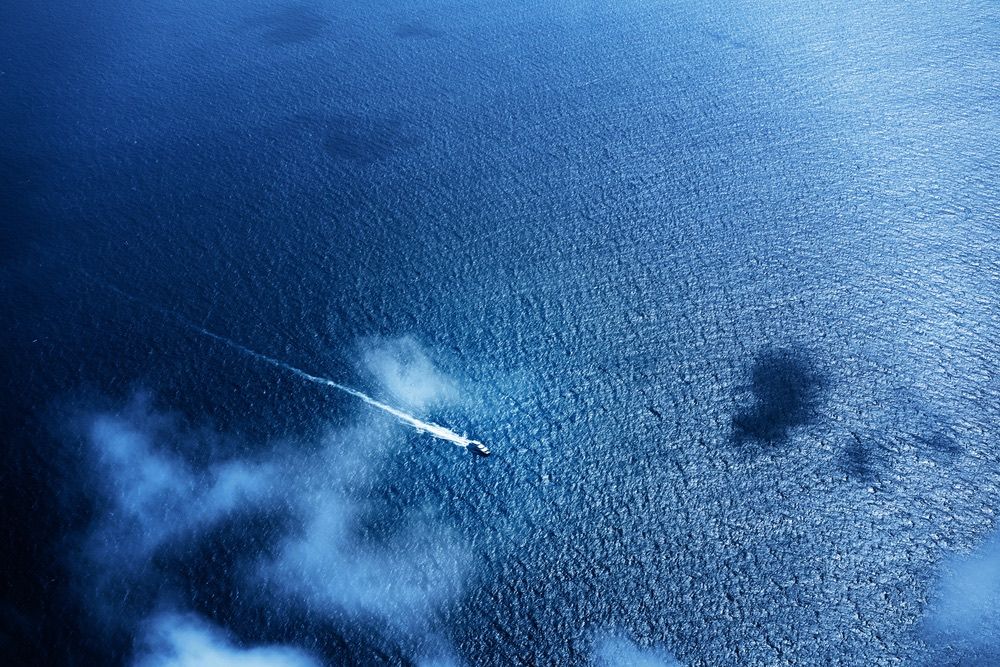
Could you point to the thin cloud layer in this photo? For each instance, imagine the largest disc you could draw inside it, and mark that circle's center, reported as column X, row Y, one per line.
column 152, row 495
column 398, row 579
column 403, row 369
column 186, row 640
column 964, row 614
column 617, row 652
column 342, row 553
column 147, row 497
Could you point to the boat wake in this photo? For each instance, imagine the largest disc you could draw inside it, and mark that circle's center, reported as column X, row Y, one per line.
column 435, row 430
column 430, row 428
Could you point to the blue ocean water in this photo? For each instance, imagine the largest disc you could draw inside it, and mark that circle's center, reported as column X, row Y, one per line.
column 718, row 283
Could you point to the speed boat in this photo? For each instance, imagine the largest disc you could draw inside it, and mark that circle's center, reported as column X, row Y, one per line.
column 479, row 448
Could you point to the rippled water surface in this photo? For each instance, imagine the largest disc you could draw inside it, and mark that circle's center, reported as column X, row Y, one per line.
column 719, row 284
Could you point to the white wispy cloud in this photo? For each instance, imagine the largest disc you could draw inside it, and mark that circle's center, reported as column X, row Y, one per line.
column 403, row 369
column 150, row 495
column 186, row 640
column 612, row 651
column 964, row 612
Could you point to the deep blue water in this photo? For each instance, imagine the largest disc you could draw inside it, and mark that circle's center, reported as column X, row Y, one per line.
column 718, row 282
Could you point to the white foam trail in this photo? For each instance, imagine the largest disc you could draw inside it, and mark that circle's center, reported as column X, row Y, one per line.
column 431, row 428
column 436, row 430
